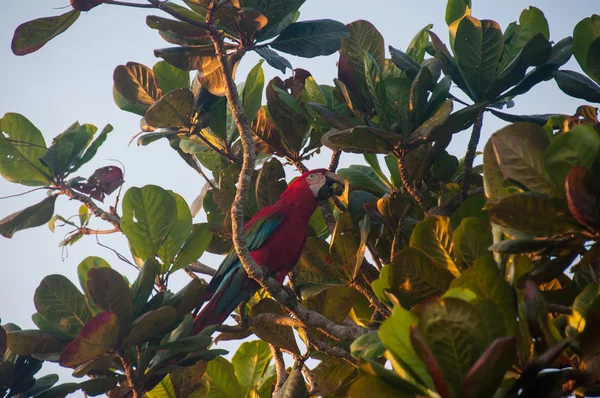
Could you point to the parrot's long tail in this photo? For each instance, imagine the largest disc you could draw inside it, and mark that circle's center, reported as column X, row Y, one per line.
column 209, row 316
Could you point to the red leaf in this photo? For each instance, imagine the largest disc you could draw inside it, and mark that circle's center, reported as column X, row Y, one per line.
column 583, row 197
column 86, row 5
column 103, row 182
column 433, row 367
column 33, row 35
column 99, row 335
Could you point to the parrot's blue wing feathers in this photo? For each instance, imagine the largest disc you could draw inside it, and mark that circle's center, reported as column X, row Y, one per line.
column 256, row 236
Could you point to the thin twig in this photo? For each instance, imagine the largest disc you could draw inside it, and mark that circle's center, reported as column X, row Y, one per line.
column 333, row 351
column 260, row 319
column 25, row 193
column 89, row 203
column 279, row 367
column 470, row 155
column 369, row 295
column 88, row 231
column 408, row 184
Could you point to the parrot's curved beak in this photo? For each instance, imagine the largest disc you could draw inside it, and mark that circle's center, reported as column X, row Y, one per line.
column 327, row 189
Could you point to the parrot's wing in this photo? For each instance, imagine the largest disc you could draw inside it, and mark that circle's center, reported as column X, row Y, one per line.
column 257, row 231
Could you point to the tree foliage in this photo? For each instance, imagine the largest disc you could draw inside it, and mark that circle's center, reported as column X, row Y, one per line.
column 433, row 276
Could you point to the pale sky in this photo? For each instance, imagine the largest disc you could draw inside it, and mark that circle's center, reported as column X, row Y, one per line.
column 70, row 79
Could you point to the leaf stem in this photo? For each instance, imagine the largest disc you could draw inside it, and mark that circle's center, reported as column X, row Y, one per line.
column 471, row 152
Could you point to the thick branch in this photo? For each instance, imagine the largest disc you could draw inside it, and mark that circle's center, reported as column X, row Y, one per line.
column 89, row 203
column 335, row 160
column 279, row 367
column 309, row 318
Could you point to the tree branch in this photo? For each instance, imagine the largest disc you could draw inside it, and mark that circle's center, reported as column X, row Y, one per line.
column 279, row 367
column 123, row 3
column 89, row 203
column 309, row 318
column 335, row 160
column 408, row 184
column 334, row 351
column 471, row 152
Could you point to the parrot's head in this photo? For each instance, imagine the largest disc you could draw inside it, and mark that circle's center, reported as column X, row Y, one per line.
column 320, row 182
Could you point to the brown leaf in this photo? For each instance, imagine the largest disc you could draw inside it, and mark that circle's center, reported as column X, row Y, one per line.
column 583, row 197
column 102, row 182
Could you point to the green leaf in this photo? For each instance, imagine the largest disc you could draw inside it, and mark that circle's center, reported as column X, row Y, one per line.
column 34, row 342
column 416, row 47
column 110, row 292
column 395, row 335
column 189, row 381
column 577, row 85
column 164, row 389
column 310, row 39
column 178, row 234
column 21, row 146
column 32, row 216
column 150, row 325
column 93, row 148
column 42, row 383
column 173, row 109
column 194, row 246
column 251, row 361
column 586, row 32
column 484, row 279
column 143, row 285
column 82, row 273
column 169, row 78
column 279, row 13
column 362, row 139
column 453, row 330
column 223, row 382
column 99, row 335
column 414, row 277
column 351, row 69
column 149, row 214
column 457, row 9
column 187, row 344
column 33, row 35
column 440, row 117
column 404, row 62
column 534, row 214
column 434, row 237
column 487, row 373
column 67, row 148
column 60, row 303
column 496, row 186
column 578, row 147
column 294, row 386
column 367, row 346
column 278, row 335
column 478, row 47
column 310, row 284
column 365, row 178
column 531, row 22
column 449, row 65
column 471, row 240
column 417, row 102
column 377, row 88
column 270, row 183
column 252, row 93
column 520, row 149
column 273, row 58
column 331, row 375
column 433, row 367
column 136, row 84
column 374, row 387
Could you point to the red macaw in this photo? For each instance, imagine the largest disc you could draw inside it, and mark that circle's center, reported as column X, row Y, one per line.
column 275, row 236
